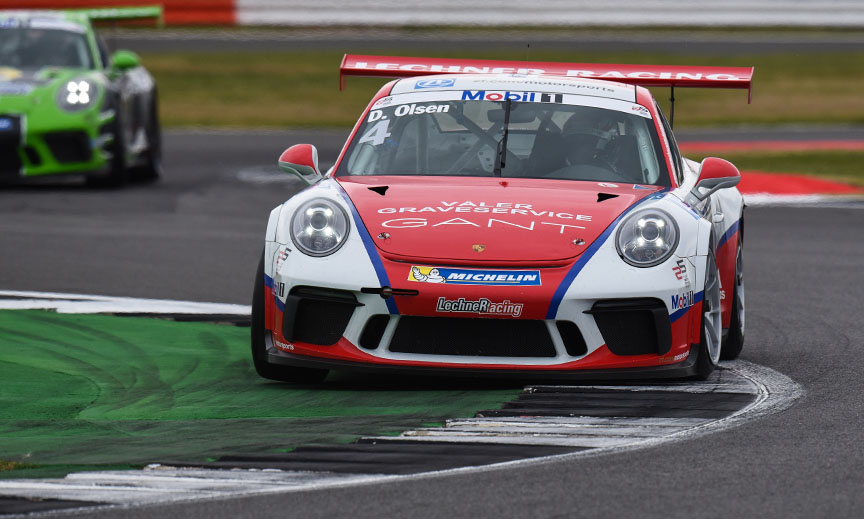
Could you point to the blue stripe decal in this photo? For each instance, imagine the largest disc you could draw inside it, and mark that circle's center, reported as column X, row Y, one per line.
column 371, row 249
column 697, row 298
column 729, row 233
column 589, row 253
column 268, row 282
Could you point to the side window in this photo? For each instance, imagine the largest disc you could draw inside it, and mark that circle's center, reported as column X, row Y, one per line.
column 673, row 145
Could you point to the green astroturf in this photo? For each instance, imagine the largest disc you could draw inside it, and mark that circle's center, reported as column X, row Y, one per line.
column 82, row 392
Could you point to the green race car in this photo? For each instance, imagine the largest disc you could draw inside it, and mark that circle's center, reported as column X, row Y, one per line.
column 67, row 106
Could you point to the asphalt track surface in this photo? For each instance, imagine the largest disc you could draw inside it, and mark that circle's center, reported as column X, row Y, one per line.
column 197, row 234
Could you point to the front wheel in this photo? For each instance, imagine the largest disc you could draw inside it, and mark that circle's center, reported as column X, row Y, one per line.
column 259, row 346
column 734, row 341
column 152, row 168
column 712, row 322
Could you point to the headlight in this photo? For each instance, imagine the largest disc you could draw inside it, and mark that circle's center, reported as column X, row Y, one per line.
column 647, row 237
column 76, row 95
column 319, row 227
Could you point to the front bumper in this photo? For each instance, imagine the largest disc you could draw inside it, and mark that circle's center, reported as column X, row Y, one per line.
column 598, row 326
column 30, row 147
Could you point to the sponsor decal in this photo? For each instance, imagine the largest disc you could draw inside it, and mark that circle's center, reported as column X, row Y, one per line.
column 679, row 269
column 485, row 207
column 16, row 88
column 9, row 73
column 527, row 97
column 605, row 74
column 6, row 124
column 641, row 110
column 434, row 83
column 284, row 346
column 281, row 256
column 460, row 276
column 682, row 301
column 607, row 184
column 408, row 223
column 478, row 247
column 637, row 186
column 482, row 306
column 384, row 101
column 722, row 295
column 676, row 358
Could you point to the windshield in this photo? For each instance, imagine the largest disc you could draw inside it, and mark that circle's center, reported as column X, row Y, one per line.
column 459, row 133
column 34, row 48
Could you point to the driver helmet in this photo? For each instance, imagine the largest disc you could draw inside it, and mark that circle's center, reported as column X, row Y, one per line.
column 586, row 134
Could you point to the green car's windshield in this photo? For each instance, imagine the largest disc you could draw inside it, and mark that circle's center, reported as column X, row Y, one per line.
column 560, row 136
column 35, row 48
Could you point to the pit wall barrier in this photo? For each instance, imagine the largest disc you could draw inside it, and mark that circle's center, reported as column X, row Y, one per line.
column 489, row 13
column 177, row 12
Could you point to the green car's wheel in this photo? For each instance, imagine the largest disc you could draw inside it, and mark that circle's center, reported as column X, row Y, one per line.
column 152, row 168
column 118, row 174
column 259, row 347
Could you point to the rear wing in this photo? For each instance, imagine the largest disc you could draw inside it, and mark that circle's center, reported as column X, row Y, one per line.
column 643, row 75
column 114, row 14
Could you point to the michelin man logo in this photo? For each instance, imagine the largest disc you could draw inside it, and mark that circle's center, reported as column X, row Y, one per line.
column 431, row 275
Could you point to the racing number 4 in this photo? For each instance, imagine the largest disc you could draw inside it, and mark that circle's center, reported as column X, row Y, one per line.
column 377, row 134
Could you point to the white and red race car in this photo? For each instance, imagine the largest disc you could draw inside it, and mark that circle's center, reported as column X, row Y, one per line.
column 492, row 217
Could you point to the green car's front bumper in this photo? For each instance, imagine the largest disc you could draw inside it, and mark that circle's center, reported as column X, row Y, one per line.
column 62, row 143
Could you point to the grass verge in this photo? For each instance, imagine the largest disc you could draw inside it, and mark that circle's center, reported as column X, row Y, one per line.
column 81, row 392
column 300, row 89
column 843, row 166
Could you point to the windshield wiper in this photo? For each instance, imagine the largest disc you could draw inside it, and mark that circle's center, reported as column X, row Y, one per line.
column 501, row 152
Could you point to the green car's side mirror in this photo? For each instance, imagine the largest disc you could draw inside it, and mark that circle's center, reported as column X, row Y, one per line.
column 124, row 60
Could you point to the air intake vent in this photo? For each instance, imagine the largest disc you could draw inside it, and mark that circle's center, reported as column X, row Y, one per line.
column 472, row 337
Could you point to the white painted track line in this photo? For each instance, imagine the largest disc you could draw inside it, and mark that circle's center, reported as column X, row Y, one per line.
column 90, row 304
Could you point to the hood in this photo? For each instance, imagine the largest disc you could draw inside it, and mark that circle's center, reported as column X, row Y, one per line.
column 31, row 82
column 487, row 220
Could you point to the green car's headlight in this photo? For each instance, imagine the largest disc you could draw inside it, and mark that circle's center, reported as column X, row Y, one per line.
column 77, row 94
column 647, row 237
column 319, row 227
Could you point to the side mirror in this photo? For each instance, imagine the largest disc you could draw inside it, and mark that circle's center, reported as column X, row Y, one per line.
column 713, row 175
column 124, row 60
column 301, row 160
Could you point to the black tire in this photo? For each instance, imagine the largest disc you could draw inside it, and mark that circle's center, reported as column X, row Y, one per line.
column 733, row 343
column 711, row 332
column 259, row 348
column 118, row 173
column 152, row 169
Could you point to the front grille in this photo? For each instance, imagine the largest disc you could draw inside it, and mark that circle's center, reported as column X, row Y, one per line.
column 316, row 315
column 472, row 337
column 634, row 326
column 10, row 162
column 69, row 146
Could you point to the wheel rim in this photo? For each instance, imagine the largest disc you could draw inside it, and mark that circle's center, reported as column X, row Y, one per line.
column 711, row 317
column 739, row 289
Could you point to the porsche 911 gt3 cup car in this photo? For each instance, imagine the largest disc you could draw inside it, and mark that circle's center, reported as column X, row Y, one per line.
column 66, row 106
column 506, row 218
